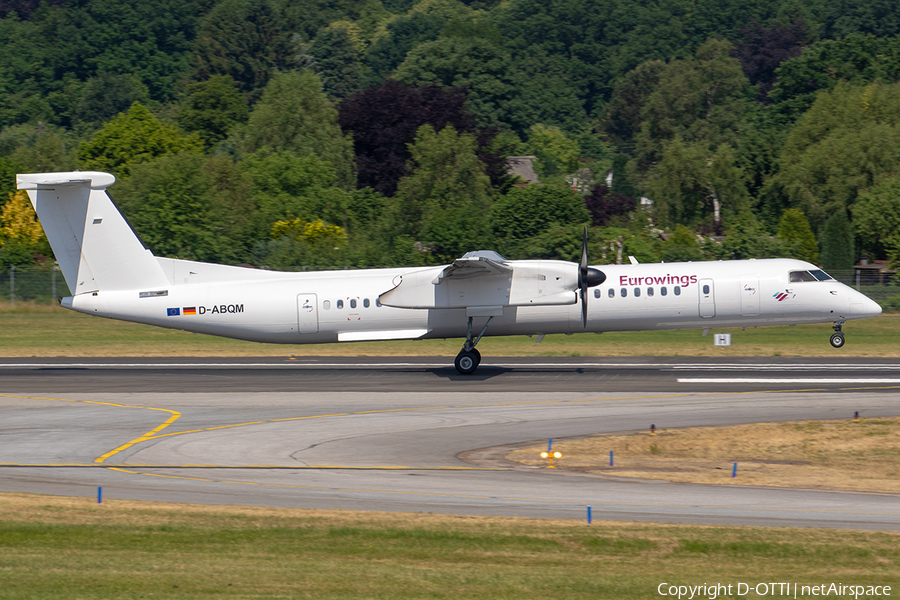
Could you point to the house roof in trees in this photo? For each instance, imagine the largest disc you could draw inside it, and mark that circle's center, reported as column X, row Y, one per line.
column 523, row 167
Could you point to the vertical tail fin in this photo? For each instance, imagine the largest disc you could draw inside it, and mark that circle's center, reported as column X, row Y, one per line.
column 93, row 243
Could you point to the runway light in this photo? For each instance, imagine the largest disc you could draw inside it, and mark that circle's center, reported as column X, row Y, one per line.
column 652, row 429
column 856, row 416
column 549, row 455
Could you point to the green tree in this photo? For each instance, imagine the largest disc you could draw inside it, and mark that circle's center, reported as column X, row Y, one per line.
column 248, row 40
column 876, row 220
column 846, row 143
column 528, row 212
column 681, row 246
column 131, row 138
column 212, row 108
column 837, row 243
column 747, row 239
column 400, row 36
column 856, row 59
column 623, row 116
column 556, row 154
column 798, row 238
column 692, row 185
column 700, row 99
column 479, row 64
column 338, row 60
column 8, row 172
column 286, row 186
column 47, row 57
column 187, row 206
column 106, row 95
column 295, row 115
column 443, row 202
column 38, row 148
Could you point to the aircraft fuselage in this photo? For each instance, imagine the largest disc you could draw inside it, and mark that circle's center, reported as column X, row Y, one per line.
column 332, row 306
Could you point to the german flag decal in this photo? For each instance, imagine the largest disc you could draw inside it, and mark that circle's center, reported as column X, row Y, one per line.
column 190, row 310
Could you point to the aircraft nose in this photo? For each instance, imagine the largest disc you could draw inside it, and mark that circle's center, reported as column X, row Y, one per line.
column 863, row 307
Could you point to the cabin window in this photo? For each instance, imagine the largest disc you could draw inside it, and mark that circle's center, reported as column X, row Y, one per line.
column 365, row 303
column 326, row 304
column 637, row 292
column 798, row 276
column 623, row 292
column 705, row 289
column 663, row 291
column 650, row 291
column 596, row 293
column 378, row 303
column 612, row 293
column 820, row 275
column 340, row 304
column 353, row 303
column 677, row 291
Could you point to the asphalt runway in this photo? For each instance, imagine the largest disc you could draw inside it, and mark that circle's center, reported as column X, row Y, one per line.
column 412, row 435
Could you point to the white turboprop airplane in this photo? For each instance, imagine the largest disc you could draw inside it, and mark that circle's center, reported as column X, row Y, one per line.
column 112, row 274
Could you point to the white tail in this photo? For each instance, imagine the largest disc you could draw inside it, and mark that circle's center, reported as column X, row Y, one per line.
column 93, row 243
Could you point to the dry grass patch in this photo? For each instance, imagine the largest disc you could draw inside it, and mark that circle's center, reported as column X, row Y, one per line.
column 859, row 455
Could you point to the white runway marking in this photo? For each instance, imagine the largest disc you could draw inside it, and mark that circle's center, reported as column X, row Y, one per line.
column 367, row 365
column 784, row 380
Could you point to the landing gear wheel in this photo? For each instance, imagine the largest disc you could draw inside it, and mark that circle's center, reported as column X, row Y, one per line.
column 837, row 339
column 477, row 356
column 466, row 362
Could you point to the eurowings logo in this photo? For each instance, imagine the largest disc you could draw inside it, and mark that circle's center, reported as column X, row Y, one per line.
column 785, row 295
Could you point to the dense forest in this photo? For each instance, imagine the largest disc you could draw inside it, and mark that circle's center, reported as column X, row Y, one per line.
column 359, row 133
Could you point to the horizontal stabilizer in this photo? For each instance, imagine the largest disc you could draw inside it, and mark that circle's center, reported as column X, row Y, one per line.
column 93, row 243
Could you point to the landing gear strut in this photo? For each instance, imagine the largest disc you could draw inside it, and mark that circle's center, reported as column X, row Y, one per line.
column 469, row 358
column 837, row 338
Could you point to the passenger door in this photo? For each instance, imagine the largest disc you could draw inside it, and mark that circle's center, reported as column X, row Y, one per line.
column 707, row 299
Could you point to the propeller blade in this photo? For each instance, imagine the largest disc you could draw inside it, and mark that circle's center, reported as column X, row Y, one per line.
column 584, row 299
column 588, row 277
column 584, row 257
column 582, row 278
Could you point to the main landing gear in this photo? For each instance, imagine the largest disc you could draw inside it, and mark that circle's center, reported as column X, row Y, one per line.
column 837, row 338
column 469, row 358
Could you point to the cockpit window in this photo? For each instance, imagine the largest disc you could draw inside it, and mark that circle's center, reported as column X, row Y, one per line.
column 797, row 276
column 820, row 275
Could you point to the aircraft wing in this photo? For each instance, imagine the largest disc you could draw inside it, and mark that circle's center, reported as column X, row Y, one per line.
column 474, row 265
column 484, row 282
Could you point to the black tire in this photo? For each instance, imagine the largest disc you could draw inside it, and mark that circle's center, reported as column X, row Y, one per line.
column 477, row 356
column 466, row 362
column 837, row 339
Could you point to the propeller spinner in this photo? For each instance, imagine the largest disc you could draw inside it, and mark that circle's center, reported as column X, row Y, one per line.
column 588, row 277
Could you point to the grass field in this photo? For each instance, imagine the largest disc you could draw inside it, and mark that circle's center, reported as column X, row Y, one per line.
column 54, row 547
column 45, row 330
column 859, row 455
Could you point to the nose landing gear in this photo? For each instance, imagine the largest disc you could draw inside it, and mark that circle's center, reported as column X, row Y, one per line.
column 469, row 358
column 837, row 338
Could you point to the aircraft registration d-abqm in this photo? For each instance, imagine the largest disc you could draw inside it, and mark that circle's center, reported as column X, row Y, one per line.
column 112, row 274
